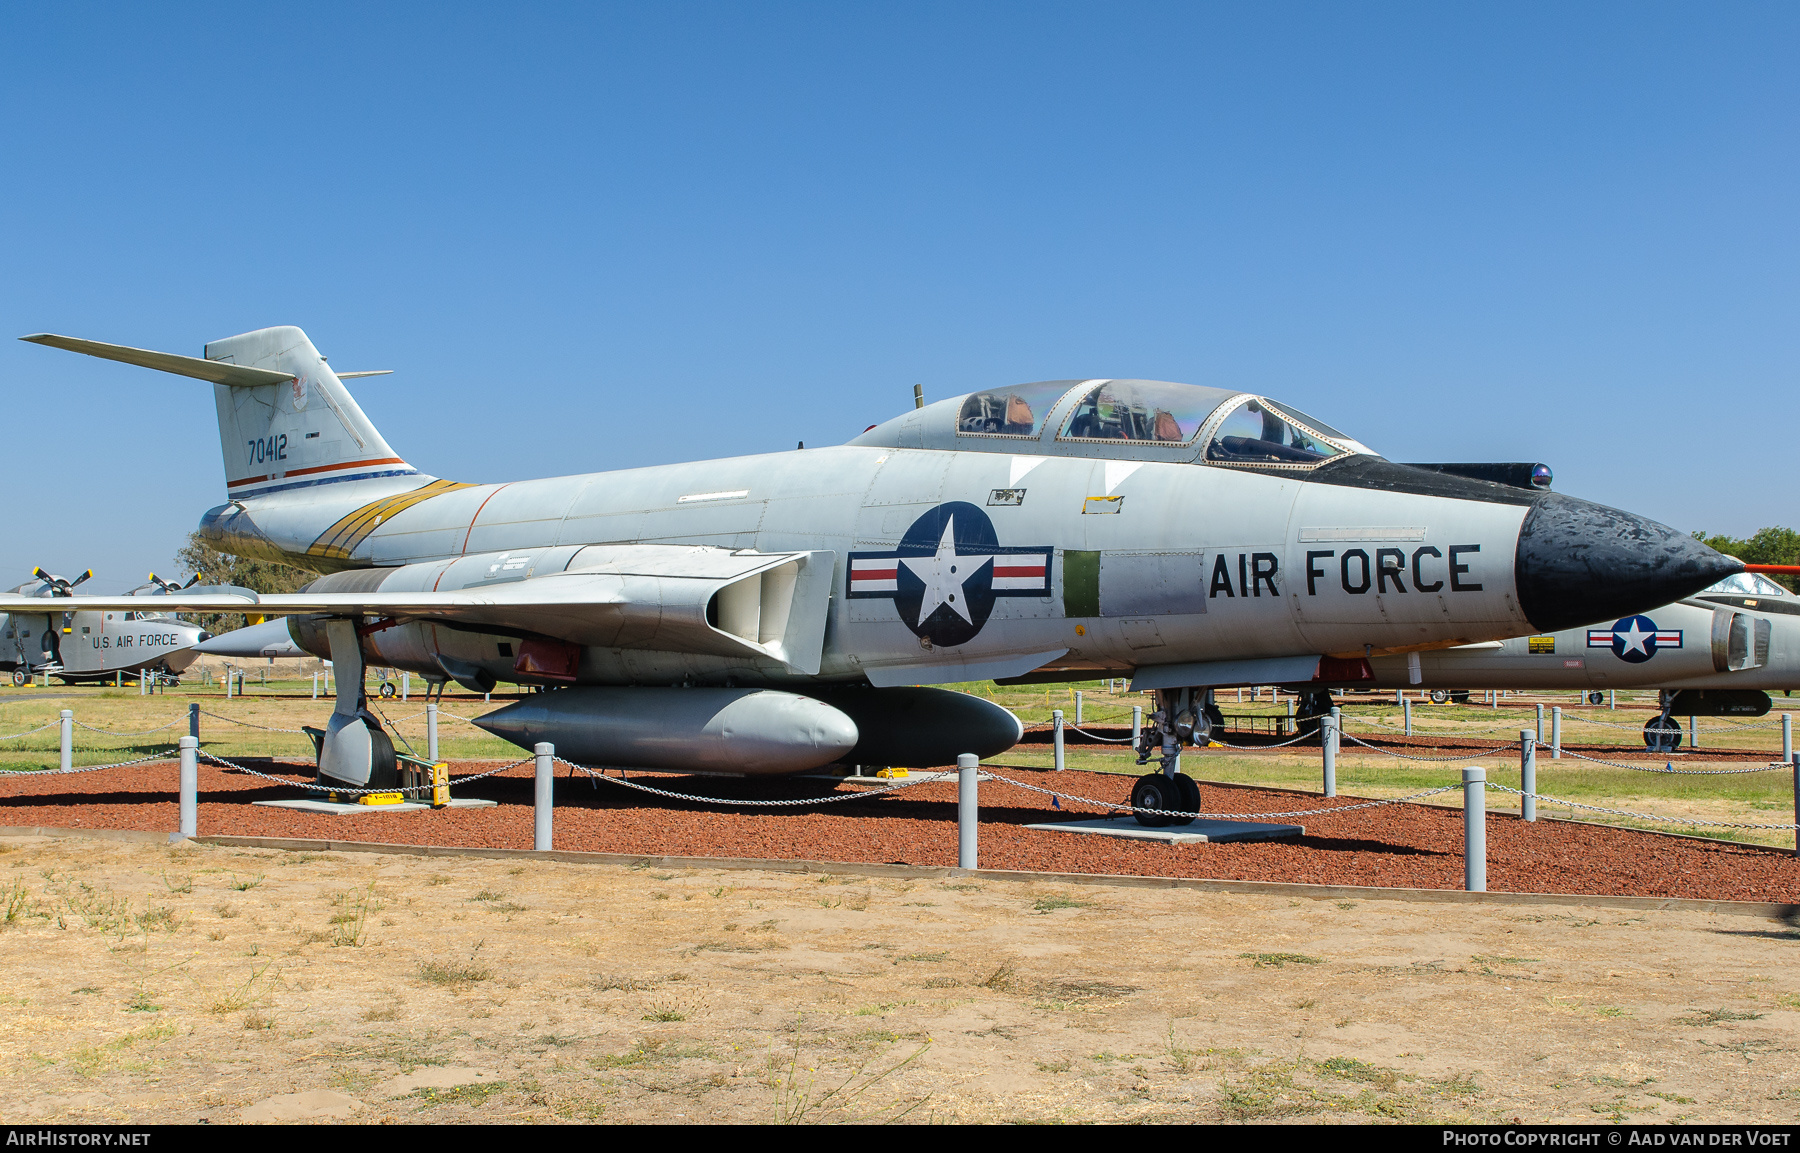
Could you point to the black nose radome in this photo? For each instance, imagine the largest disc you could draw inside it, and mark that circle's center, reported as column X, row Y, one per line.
column 1580, row 563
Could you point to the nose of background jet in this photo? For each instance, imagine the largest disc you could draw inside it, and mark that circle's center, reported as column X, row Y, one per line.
column 1581, row 563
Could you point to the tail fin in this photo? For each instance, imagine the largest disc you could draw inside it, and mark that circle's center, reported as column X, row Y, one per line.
column 306, row 430
column 285, row 419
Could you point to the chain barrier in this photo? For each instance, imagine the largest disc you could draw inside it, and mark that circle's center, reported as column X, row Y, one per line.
column 1770, row 767
column 346, row 789
column 28, row 732
column 599, row 772
column 110, row 733
column 1409, row 798
column 1410, row 757
column 249, row 725
column 1094, row 736
column 164, row 756
column 1637, row 816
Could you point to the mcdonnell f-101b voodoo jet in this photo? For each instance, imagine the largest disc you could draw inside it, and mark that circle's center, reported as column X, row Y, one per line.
column 775, row 613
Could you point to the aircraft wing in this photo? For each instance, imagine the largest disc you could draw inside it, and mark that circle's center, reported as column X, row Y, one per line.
column 756, row 605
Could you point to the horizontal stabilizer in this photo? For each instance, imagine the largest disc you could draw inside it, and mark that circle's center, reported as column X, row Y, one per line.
column 370, row 372
column 215, row 371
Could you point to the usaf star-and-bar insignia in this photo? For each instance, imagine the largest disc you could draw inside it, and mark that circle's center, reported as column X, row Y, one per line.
column 1634, row 639
column 947, row 572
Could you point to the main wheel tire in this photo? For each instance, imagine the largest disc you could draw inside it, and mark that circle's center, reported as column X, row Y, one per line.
column 1189, row 789
column 1215, row 716
column 1661, row 738
column 20, row 676
column 1440, row 696
column 387, row 690
column 1596, row 697
column 1154, row 791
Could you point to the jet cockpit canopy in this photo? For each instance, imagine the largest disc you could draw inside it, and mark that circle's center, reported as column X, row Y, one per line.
column 1129, row 419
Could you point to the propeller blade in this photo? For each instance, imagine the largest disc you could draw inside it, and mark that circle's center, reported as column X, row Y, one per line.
column 79, row 579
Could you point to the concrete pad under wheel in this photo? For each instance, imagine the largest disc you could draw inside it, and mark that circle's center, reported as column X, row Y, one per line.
column 1197, row 833
column 338, row 808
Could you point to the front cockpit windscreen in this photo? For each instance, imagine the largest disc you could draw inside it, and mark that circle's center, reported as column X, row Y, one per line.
column 1748, row 584
column 1016, row 411
column 1260, row 432
column 1144, row 411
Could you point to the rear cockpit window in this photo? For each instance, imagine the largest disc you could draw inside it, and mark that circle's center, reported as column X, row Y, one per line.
column 1145, row 412
column 1748, row 584
column 1258, row 432
column 1017, row 411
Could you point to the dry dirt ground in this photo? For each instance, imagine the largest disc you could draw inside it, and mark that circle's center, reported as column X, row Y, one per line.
column 149, row 983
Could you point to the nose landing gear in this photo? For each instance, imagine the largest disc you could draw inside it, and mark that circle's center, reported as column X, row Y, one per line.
column 1182, row 716
column 1662, row 735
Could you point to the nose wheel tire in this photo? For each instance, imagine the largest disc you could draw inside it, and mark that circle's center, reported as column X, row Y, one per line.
column 1596, row 697
column 1662, row 736
column 387, row 691
column 1155, row 791
column 1440, row 696
column 20, row 676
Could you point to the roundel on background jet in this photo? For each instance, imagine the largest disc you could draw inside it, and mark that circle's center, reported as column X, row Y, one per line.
column 1634, row 639
column 946, row 573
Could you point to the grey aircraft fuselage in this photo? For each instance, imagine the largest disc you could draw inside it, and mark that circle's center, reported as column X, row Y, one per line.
column 1118, row 555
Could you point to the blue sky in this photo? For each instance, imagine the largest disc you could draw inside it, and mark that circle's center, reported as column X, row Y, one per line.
column 600, row 236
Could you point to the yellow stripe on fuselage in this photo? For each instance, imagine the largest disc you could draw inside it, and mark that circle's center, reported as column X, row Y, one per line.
column 342, row 538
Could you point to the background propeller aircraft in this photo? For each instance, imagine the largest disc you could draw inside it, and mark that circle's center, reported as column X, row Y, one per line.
column 774, row 613
column 93, row 642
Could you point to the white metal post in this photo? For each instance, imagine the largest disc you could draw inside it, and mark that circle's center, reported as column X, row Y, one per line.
column 431, row 712
column 315, row 686
column 68, row 739
column 1137, row 724
column 1475, row 829
column 967, row 809
column 1078, row 707
column 1407, row 705
column 1556, row 733
column 1787, row 736
column 1328, row 750
column 194, row 721
column 190, row 786
column 1527, row 775
column 543, row 794
column 1056, row 719
column 1612, row 698
column 1693, row 732
column 1540, row 724
column 405, row 685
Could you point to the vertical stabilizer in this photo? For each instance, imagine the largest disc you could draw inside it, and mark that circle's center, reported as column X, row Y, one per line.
column 299, row 433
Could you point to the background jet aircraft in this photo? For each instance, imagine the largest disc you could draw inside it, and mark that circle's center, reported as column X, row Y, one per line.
column 773, row 613
column 77, row 644
column 1717, row 653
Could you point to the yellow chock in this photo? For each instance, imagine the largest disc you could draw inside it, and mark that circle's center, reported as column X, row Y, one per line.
column 440, row 785
column 891, row 774
column 381, row 798
column 1214, row 745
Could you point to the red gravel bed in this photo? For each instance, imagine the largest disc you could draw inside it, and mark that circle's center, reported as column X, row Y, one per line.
column 1411, row 846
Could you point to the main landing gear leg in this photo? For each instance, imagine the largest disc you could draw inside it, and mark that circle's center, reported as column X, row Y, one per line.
column 354, row 751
